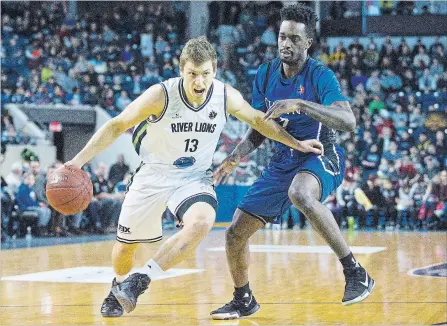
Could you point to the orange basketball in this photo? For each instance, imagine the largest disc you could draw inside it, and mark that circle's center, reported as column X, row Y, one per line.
column 69, row 190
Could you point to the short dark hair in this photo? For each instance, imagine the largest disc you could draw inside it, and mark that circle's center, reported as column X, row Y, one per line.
column 301, row 13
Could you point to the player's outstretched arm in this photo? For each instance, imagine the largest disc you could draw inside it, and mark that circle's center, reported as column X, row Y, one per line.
column 338, row 115
column 237, row 106
column 151, row 102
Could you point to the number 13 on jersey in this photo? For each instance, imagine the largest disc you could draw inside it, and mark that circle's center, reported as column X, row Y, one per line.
column 191, row 145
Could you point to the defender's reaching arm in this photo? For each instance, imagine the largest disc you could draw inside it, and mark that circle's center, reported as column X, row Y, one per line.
column 237, row 106
column 151, row 102
column 338, row 115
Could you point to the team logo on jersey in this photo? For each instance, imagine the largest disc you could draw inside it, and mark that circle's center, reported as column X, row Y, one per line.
column 212, row 115
column 184, row 162
column 301, row 91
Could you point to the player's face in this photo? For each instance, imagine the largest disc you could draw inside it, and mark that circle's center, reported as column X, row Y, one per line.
column 293, row 42
column 197, row 79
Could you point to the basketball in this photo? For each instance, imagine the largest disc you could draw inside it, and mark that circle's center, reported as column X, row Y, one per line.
column 69, row 190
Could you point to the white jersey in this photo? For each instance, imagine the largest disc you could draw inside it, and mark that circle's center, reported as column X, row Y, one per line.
column 183, row 138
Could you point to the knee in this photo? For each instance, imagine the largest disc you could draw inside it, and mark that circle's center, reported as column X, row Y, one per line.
column 300, row 198
column 234, row 237
column 199, row 219
column 201, row 225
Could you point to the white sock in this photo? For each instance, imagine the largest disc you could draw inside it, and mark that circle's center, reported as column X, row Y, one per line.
column 152, row 269
column 120, row 278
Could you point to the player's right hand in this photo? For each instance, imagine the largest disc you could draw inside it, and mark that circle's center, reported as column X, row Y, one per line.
column 310, row 146
column 225, row 169
column 72, row 163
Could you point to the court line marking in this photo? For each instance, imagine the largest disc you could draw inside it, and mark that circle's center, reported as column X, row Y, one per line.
column 90, row 275
column 220, row 303
column 411, row 271
column 306, row 249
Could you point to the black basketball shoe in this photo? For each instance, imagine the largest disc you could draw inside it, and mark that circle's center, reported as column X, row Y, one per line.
column 111, row 307
column 128, row 292
column 359, row 285
column 237, row 308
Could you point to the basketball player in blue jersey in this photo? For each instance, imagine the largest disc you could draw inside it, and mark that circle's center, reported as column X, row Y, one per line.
column 305, row 97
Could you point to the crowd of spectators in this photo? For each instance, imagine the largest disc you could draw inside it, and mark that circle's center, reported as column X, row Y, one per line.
column 396, row 158
column 25, row 204
column 105, row 60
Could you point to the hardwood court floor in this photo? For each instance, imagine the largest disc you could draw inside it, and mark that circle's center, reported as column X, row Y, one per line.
column 295, row 279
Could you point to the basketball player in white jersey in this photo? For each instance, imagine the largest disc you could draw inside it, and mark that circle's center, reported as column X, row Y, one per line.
column 178, row 124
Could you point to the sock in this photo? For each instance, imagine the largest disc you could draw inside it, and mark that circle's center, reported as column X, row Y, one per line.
column 152, row 269
column 120, row 278
column 240, row 292
column 349, row 261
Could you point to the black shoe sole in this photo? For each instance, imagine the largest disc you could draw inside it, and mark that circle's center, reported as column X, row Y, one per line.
column 112, row 315
column 228, row 316
column 363, row 296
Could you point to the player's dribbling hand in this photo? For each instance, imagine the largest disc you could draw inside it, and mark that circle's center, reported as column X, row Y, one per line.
column 282, row 107
column 225, row 168
column 72, row 163
column 311, row 146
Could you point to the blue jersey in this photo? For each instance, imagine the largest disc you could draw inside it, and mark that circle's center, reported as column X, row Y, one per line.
column 315, row 82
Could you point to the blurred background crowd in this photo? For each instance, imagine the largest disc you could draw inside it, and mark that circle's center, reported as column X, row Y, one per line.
column 396, row 159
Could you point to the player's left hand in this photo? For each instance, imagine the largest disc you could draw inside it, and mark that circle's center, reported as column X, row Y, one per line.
column 282, row 107
column 224, row 170
column 311, row 146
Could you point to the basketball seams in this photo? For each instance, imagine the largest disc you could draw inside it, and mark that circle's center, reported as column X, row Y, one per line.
column 66, row 202
column 72, row 190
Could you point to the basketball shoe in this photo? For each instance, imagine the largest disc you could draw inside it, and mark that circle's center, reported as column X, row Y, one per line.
column 359, row 285
column 111, row 307
column 128, row 292
column 237, row 308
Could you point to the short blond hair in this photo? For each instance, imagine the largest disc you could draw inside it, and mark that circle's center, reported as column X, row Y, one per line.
column 198, row 50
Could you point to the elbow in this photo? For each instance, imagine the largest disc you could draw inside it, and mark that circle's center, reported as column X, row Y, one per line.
column 350, row 124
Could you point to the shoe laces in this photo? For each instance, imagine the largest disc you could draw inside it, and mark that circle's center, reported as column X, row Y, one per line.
column 351, row 275
column 138, row 283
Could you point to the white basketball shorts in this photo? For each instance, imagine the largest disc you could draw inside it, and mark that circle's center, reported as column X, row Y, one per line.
column 151, row 191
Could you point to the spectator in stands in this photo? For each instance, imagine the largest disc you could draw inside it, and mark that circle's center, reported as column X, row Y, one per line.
column 346, row 201
column 228, row 38
column 358, row 78
column 27, row 201
column 373, row 193
column 390, row 81
column 118, row 170
column 14, row 178
column 421, row 60
column 376, row 105
column 371, row 57
column 107, row 204
column 392, row 154
column 423, row 144
column 370, row 161
column 441, row 147
column 416, row 120
column 442, row 82
column 269, row 38
column 122, row 101
column 427, row 82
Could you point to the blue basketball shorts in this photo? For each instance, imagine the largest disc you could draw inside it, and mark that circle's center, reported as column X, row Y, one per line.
column 267, row 199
